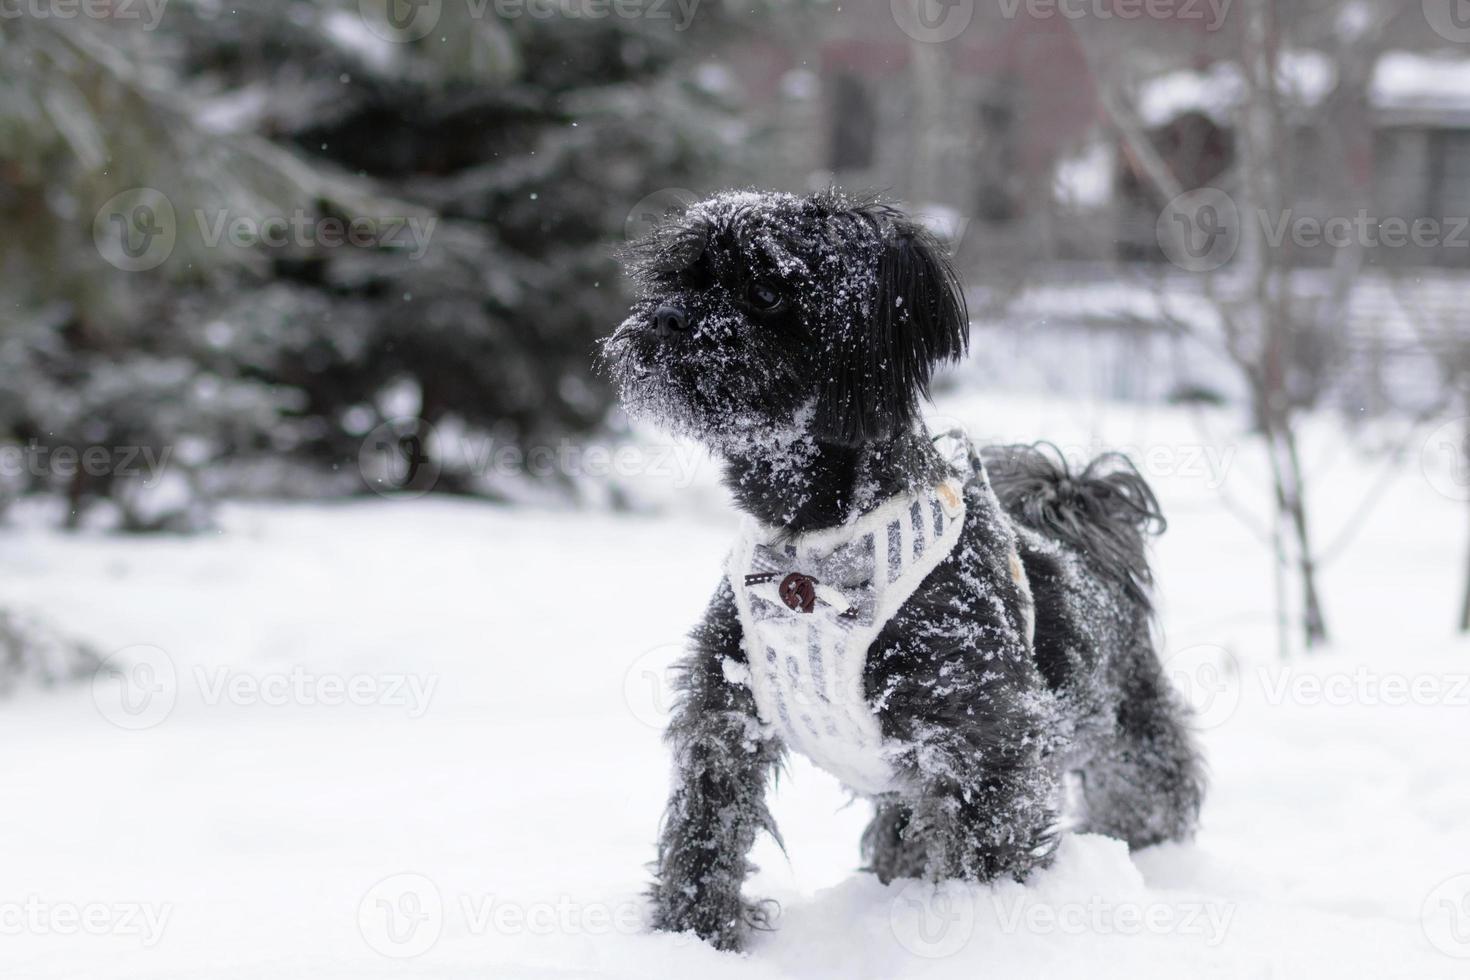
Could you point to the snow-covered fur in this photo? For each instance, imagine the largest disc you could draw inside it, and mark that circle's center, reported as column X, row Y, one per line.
column 796, row 337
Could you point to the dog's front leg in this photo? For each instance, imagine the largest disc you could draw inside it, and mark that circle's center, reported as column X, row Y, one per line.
column 722, row 763
column 981, row 738
column 986, row 816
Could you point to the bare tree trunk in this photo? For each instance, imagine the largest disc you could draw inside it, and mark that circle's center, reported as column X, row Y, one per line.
column 1291, row 507
column 1313, row 618
column 1266, row 145
column 1278, row 568
column 1465, row 600
column 928, row 74
column 1254, row 296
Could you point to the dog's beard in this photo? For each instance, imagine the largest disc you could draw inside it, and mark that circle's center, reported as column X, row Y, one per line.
column 708, row 388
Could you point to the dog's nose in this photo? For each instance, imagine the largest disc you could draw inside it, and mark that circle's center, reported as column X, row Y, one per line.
column 668, row 321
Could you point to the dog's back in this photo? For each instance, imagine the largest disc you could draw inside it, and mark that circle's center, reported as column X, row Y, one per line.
column 1082, row 538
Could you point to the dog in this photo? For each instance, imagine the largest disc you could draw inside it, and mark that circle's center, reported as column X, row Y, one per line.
column 963, row 638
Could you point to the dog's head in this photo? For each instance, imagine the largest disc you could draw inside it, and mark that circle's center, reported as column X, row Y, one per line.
column 764, row 312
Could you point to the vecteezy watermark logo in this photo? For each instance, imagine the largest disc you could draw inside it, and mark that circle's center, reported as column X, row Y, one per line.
column 1365, row 230
column 1445, row 917
column 66, row 461
column 933, row 920
column 1209, row 465
column 395, row 458
column 933, row 21
column 1450, row 19
column 648, row 688
column 401, row 916
column 1362, row 686
column 1445, row 459
column 1101, row 916
column 1124, row 10
column 404, row 915
column 1208, row 677
column 400, row 21
column 36, row 917
column 405, row 457
column 413, row 693
column 565, row 916
column 150, row 12
column 1199, row 230
column 680, row 11
column 951, row 437
column 665, row 205
column 136, row 688
column 409, row 234
column 136, row 229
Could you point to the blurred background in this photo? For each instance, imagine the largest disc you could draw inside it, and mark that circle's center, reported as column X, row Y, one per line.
column 299, row 305
column 245, row 239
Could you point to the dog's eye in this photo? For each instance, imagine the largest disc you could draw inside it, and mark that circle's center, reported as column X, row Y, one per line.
column 763, row 296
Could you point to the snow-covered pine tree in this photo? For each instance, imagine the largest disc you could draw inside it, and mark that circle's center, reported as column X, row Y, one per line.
column 518, row 145
column 529, row 139
column 99, row 357
column 34, row 654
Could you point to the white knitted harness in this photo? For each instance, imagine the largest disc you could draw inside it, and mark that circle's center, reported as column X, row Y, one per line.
column 811, row 605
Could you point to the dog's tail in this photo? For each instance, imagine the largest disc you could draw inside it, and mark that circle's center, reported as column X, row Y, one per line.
column 1106, row 512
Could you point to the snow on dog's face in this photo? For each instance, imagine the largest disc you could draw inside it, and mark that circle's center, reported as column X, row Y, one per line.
column 764, row 312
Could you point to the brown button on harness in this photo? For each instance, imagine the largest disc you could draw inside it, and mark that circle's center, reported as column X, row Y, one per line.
column 798, row 591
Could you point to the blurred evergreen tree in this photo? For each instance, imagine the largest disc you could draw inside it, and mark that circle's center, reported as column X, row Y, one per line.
column 516, row 146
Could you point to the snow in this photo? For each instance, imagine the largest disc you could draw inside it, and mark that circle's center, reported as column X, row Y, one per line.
column 236, row 111
column 1402, row 80
column 1414, row 80
column 716, row 79
column 1214, row 92
column 1086, row 179
column 1306, row 76
column 448, row 711
column 351, row 33
column 800, row 85
column 1029, row 338
column 945, row 223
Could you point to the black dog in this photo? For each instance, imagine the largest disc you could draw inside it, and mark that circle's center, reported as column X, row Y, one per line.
column 949, row 637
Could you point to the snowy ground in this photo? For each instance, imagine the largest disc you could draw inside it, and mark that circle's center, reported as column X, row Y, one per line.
column 483, row 802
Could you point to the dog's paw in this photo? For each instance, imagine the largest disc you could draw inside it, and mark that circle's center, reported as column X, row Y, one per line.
column 725, row 925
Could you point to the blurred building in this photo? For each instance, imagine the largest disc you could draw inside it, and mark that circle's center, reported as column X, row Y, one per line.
column 999, row 137
column 1407, row 157
column 972, row 131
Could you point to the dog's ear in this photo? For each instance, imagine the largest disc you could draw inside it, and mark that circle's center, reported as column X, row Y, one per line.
column 879, row 370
